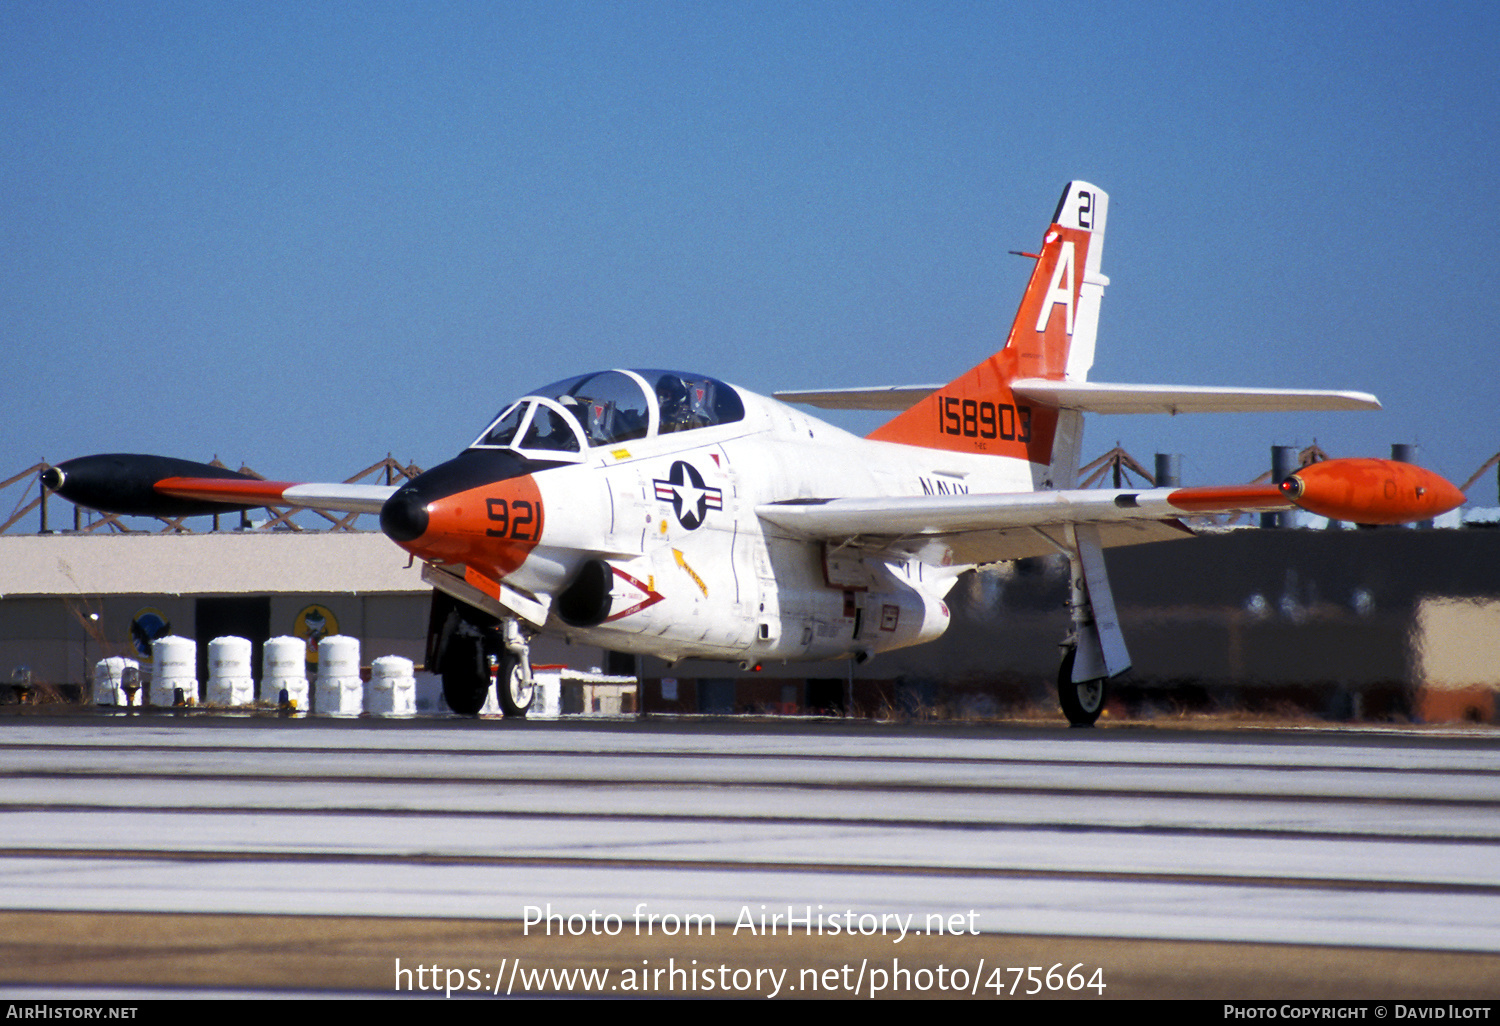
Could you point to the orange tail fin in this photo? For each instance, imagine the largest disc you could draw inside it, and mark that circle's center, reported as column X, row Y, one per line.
column 1052, row 337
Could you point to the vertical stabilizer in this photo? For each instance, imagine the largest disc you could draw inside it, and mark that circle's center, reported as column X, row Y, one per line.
column 1052, row 337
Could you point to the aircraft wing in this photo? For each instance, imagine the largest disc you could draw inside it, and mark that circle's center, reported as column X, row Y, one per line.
column 990, row 528
column 334, row 498
column 140, row 485
column 1103, row 397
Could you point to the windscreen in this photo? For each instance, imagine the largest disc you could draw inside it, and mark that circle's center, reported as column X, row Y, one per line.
column 615, row 406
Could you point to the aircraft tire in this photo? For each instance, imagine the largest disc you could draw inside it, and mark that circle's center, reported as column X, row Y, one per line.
column 1081, row 702
column 517, row 693
column 466, row 676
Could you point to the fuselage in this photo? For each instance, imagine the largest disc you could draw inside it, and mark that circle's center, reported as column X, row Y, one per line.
column 646, row 539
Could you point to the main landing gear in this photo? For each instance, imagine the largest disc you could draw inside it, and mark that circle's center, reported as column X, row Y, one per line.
column 1095, row 649
column 1082, row 701
column 470, row 649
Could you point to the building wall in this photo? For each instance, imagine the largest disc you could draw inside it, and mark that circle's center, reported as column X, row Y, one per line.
column 1456, row 652
column 67, row 600
column 56, row 639
column 1241, row 614
column 1323, row 619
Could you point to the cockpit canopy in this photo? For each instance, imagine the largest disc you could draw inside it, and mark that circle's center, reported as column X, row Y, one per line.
column 563, row 420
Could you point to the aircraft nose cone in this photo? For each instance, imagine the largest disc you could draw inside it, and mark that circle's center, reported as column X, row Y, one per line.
column 426, row 516
column 404, row 516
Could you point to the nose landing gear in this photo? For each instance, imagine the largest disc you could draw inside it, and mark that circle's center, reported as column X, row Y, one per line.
column 513, row 680
column 469, row 648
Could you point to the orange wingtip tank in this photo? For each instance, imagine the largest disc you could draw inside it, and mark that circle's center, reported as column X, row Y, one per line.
column 1371, row 491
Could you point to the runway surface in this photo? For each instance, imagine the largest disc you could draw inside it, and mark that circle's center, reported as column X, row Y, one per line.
column 189, row 851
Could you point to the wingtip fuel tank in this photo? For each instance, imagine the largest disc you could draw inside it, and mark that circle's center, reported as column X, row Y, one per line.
column 1371, row 491
column 126, row 483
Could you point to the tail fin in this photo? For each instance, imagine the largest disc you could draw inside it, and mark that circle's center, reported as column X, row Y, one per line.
column 1052, row 338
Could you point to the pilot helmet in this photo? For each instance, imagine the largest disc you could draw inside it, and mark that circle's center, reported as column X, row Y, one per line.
column 672, row 398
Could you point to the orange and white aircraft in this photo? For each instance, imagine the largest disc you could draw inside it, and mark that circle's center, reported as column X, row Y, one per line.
column 672, row 514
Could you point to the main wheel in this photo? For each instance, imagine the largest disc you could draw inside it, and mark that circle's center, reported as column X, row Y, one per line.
column 1082, row 702
column 466, row 675
column 517, row 691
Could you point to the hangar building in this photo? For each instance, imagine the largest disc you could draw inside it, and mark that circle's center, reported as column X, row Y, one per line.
column 1388, row 623
column 69, row 600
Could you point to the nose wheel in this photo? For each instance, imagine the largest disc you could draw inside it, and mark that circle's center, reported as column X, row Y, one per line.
column 470, row 654
column 516, row 688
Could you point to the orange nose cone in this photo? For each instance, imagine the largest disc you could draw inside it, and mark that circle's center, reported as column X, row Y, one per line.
column 491, row 528
column 1369, row 491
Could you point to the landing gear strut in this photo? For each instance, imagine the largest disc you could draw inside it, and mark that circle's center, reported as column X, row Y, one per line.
column 1095, row 647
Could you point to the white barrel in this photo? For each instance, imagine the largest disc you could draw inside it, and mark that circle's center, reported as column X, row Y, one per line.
column 229, row 681
column 110, row 677
column 176, row 661
column 338, row 656
column 284, row 657
column 284, row 668
column 548, row 702
column 229, row 657
column 340, row 692
column 393, row 688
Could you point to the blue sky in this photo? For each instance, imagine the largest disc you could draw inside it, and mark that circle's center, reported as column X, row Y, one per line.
column 303, row 235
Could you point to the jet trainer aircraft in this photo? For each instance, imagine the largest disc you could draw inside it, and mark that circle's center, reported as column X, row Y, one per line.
column 674, row 515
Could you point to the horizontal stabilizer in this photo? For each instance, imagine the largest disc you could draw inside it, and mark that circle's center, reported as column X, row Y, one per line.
column 1101, row 397
column 890, row 398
